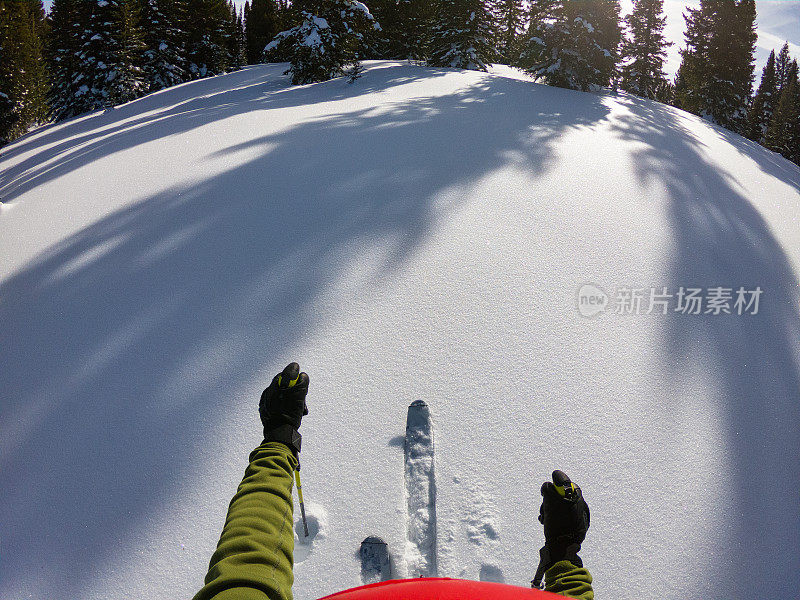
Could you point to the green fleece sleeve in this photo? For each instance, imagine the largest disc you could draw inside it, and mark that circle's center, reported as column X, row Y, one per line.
column 253, row 560
column 568, row 580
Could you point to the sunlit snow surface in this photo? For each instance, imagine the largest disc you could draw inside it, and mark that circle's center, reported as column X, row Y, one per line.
column 421, row 233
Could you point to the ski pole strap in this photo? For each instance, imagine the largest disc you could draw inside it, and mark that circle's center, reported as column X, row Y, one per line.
column 544, row 564
column 546, row 560
column 300, row 496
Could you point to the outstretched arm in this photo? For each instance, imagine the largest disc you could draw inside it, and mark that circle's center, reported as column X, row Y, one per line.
column 254, row 557
column 253, row 560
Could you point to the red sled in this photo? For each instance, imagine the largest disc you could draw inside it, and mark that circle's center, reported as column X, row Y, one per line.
column 440, row 588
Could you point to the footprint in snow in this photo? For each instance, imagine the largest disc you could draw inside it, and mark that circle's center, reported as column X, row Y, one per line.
column 479, row 522
column 492, row 573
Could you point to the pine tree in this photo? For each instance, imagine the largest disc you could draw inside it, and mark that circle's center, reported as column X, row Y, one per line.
column 234, row 38
column 717, row 68
column 23, row 78
column 165, row 56
column 541, row 12
column 665, row 92
column 783, row 134
column 68, row 20
column 36, row 77
column 208, row 33
column 241, row 44
column 575, row 44
column 385, row 40
column 405, row 29
column 261, row 25
column 689, row 86
column 764, row 102
column 8, row 116
column 645, row 50
column 284, row 15
column 327, row 43
column 743, row 60
column 127, row 80
column 463, row 36
column 96, row 57
column 782, row 63
column 510, row 18
column 414, row 29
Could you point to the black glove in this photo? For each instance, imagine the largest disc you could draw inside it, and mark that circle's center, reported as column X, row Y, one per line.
column 565, row 516
column 283, row 405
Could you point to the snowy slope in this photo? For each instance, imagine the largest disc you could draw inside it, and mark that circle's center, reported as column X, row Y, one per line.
column 421, row 233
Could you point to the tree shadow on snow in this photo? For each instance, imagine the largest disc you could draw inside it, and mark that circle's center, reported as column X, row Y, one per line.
column 722, row 240
column 121, row 344
column 60, row 148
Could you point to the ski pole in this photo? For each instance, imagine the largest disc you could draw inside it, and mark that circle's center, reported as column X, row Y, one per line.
column 300, row 495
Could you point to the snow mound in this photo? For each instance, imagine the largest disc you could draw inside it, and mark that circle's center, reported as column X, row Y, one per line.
column 420, row 233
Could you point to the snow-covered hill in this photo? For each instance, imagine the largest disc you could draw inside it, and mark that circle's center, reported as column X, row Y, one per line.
column 421, row 233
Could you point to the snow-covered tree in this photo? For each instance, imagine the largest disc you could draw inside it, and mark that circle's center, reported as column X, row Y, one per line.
column 406, row 27
column 68, row 19
column 411, row 31
column 165, row 56
column 127, row 80
column 783, row 134
column 8, row 117
column 763, row 103
column 23, row 77
column 208, row 33
column 575, row 44
column 385, row 41
column 240, row 45
column 541, row 12
column 235, row 38
column 645, row 49
column 327, row 43
column 109, row 66
column 716, row 75
column 510, row 18
column 782, row 63
column 463, row 36
column 96, row 57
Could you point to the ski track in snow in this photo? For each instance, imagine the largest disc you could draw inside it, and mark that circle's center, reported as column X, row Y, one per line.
column 420, row 481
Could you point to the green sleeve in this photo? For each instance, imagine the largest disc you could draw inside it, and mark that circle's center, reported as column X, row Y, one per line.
column 568, row 580
column 253, row 560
